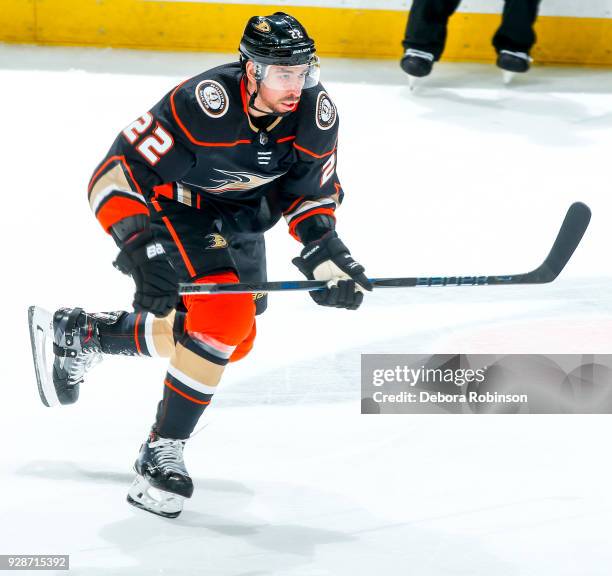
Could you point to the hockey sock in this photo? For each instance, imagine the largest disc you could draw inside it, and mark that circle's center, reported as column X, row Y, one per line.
column 179, row 411
column 190, row 383
column 141, row 334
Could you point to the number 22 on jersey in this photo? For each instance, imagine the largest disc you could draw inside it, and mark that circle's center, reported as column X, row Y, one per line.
column 154, row 146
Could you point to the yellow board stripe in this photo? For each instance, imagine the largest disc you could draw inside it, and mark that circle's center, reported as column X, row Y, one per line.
column 346, row 32
column 18, row 21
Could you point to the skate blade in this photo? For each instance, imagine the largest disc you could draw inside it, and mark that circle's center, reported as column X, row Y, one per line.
column 144, row 496
column 40, row 322
column 508, row 76
column 413, row 82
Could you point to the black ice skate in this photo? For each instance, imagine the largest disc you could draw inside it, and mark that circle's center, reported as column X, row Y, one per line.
column 513, row 63
column 163, row 482
column 64, row 347
column 416, row 64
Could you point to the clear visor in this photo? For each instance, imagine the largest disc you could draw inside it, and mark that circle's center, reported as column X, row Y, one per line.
column 300, row 77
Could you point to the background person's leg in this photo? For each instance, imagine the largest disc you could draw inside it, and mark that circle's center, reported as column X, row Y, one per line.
column 427, row 25
column 516, row 32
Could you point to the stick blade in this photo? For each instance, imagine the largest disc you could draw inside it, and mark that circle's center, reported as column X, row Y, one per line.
column 570, row 234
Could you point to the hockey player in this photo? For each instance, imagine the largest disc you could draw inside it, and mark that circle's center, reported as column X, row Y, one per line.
column 186, row 191
column 425, row 36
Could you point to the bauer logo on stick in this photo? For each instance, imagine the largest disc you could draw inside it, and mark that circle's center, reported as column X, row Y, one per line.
column 326, row 111
column 212, row 98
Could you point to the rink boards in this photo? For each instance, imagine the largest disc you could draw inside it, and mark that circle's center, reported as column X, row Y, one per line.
column 567, row 34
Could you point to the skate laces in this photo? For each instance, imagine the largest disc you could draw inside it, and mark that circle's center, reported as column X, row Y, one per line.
column 419, row 54
column 85, row 360
column 168, row 455
column 87, row 357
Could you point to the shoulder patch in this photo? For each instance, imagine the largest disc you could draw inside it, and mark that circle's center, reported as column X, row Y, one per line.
column 325, row 113
column 212, row 98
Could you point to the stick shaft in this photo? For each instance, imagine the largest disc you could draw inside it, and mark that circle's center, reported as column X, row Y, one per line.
column 570, row 233
column 307, row 285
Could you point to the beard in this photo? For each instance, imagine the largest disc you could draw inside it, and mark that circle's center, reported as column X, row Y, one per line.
column 279, row 106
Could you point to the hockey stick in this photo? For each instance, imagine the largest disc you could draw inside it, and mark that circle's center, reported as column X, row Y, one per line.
column 570, row 234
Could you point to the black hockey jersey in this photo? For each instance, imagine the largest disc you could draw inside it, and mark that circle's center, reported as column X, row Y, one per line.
column 199, row 146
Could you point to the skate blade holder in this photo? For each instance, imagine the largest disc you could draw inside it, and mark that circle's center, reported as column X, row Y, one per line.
column 143, row 495
column 41, row 337
column 64, row 352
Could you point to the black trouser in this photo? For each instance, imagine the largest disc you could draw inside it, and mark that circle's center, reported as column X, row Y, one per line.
column 428, row 19
column 198, row 244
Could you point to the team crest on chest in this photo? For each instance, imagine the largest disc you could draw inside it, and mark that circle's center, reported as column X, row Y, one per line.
column 238, row 181
column 215, row 241
column 325, row 112
column 212, row 98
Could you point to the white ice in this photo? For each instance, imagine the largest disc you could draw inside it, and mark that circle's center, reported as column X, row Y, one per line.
column 465, row 176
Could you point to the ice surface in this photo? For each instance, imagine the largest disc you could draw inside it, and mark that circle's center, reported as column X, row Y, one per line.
column 465, row 176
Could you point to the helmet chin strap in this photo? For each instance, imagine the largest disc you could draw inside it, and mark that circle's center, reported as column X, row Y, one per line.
column 272, row 113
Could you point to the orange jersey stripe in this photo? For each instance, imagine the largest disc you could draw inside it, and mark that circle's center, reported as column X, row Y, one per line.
column 165, row 190
column 243, row 95
column 310, row 153
column 117, row 208
column 293, row 205
column 303, row 217
column 179, row 245
column 192, row 139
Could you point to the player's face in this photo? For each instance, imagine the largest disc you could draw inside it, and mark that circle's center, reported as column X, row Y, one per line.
column 282, row 87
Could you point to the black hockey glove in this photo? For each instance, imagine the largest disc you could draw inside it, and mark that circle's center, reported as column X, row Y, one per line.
column 144, row 259
column 329, row 259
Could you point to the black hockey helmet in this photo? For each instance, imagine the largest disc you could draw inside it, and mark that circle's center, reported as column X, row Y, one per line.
column 278, row 39
column 282, row 53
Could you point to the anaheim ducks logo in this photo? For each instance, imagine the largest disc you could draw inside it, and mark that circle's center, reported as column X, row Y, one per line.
column 215, row 241
column 238, row 181
column 262, row 26
column 325, row 114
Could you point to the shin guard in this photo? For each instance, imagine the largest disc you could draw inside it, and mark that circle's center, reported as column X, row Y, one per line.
column 215, row 328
